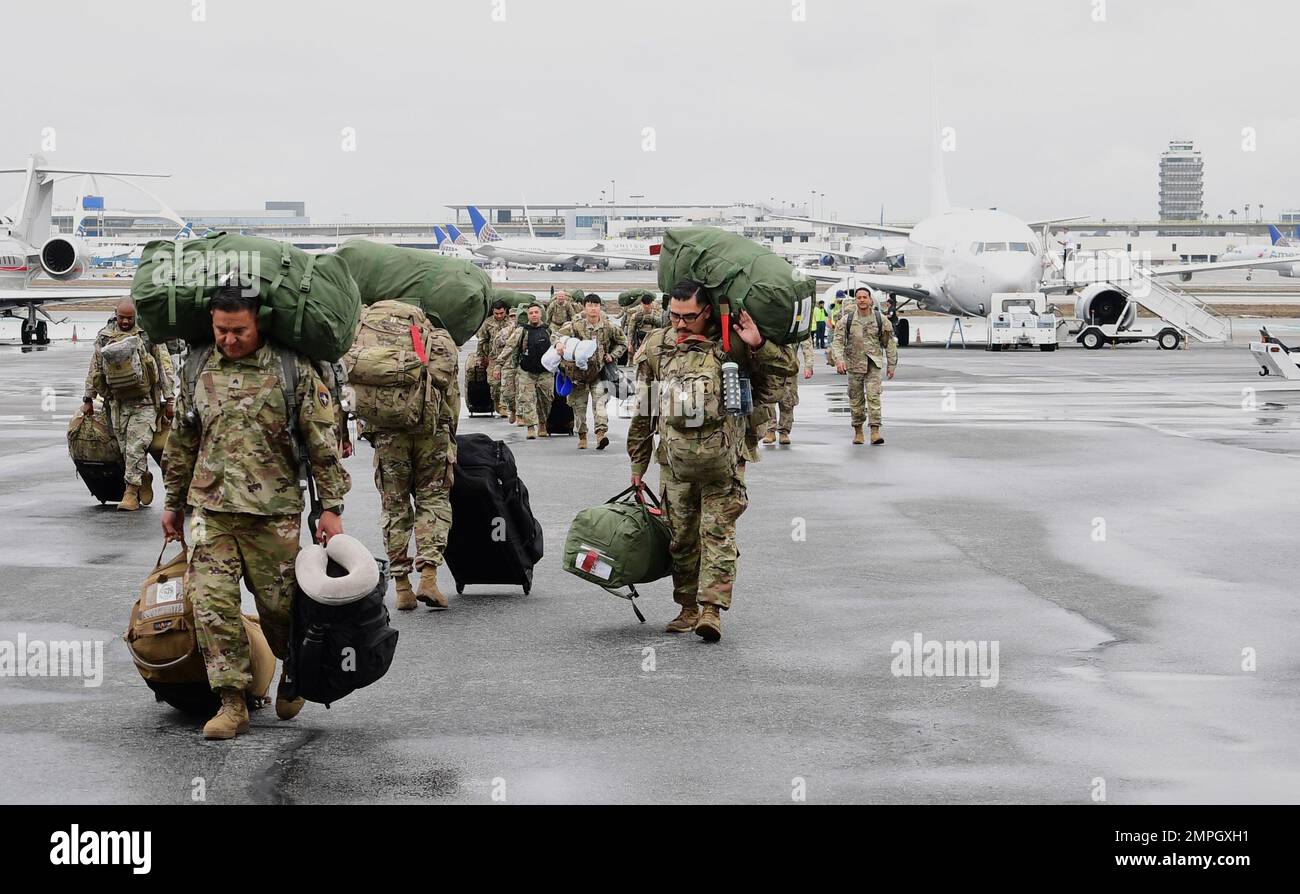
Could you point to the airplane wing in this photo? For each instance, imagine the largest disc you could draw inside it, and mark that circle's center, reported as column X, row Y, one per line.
column 1189, row 269
column 23, row 297
column 848, row 225
column 907, row 286
column 1053, row 220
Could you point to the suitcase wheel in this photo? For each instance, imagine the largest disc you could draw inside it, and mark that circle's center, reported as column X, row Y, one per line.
column 528, row 588
column 460, row 588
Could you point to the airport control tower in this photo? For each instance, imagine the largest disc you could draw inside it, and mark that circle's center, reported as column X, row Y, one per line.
column 1182, row 189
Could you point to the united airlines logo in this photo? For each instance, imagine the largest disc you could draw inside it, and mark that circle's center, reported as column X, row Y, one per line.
column 488, row 234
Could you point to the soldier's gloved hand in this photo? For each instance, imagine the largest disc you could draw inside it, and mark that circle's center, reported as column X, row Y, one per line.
column 839, row 367
column 88, row 408
column 173, row 525
column 330, row 524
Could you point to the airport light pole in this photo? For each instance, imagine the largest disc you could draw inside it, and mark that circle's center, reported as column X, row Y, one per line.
column 638, row 199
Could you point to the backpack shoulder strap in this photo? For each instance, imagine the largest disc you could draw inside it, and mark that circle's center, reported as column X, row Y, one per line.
column 880, row 321
column 194, row 363
column 848, row 322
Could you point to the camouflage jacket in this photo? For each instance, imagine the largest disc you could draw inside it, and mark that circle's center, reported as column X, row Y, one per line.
column 487, row 334
column 806, row 353
column 768, row 368
column 499, row 342
column 556, row 314
column 239, row 457
column 861, row 339
column 513, row 343
column 95, row 384
column 612, row 343
column 639, row 324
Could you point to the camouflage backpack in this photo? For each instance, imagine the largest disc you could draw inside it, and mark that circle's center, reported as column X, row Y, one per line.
column 128, row 368
column 698, row 437
column 387, row 366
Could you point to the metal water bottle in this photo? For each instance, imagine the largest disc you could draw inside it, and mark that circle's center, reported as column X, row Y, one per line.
column 731, row 397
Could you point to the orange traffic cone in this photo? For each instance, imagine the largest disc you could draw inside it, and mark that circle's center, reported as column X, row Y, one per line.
column 74, row 335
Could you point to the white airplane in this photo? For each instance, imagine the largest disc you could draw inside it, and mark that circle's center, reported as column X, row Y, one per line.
column 1278, row 249
column 455, row 247
column 27, row 249
column 555, row 252
column 890, row 251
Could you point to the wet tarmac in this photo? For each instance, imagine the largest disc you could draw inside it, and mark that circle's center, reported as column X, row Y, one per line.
column 1119, row 524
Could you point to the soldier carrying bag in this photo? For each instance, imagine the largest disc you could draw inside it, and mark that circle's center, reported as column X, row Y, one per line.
column 129, row 369
column 699, row 439
column 622, row 543
column 391, row 385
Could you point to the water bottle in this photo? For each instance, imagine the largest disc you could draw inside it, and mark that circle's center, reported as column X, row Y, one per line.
column 731, row 396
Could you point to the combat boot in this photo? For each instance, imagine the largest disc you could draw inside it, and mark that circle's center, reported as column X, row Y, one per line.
column 857, row 435
column 532, row 432
column 130, row 501
column 785, row 438
column 876, row 438
column 146, row 489
column 542, row 432
column 582, row 442
column 513, row 419
column 405, row 595
column 602, row 439
column 231, row 720
column 769, row 438
column 685, row 620
column 429, row 593
column 709, row 626
column 286, row 708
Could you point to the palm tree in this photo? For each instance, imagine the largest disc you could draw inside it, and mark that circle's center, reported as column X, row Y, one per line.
column 1261, row 213
column 1232, row 212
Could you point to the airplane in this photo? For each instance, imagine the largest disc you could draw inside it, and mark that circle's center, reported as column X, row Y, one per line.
column 579, row 254
column 889, row 251
column 27, row 249
column 455, row 247
column 1279, row 248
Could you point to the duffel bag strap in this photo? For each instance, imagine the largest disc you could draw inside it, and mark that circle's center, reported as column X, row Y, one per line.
column 630, row 596
column 171, row 286
column 303, row 289
column 184, row 550
column 140, row 662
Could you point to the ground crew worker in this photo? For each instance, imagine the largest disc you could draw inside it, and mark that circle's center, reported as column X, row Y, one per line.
column 819, row 320
column 789, row 397
column 132, row 399
column 232, row 461
column 534, row 386
column 509, row 367
column 560, row 311
column 611, row 344
column 864, row 343
column 701, row 459
column 485, row 356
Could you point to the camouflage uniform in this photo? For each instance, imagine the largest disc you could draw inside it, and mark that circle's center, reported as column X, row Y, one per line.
column 134, row 419
column 640, row 323
column 487, row 334
column 790, row 391
column 589, row 387
column 702, row 516
column 858, row 345
column 507, row 367
column 235, row 472
column 557, row 313
column 416, row 466
column 533, row 391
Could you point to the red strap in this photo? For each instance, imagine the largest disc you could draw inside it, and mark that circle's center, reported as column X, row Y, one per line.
column 589, row 560
column 418, row 344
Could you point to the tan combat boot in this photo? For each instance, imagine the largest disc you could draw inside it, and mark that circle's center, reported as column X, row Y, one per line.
column 146, row 489
column 532, row 432
column 285, row 707
column 769, row 438
column 582, row 442
column 513, row 419
column 857, row 435
column 685, row 620
column 231, row 720
column 876, row 438
column 602, row 440
column 502, row 412
column 429, row 592
column 130, row 501
column 709, row 626
column 405, row 595
column 542, row 432
column 785, row 438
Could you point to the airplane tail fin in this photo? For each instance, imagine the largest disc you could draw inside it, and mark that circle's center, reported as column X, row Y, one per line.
column 482, row 229
column 184, row 232
column 440, row 236
column 457, row 237
column 1274, row 234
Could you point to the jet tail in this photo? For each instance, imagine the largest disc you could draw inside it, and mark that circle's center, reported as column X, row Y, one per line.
column 1274, row 234
column 457, row 237
column 440, row 236
column 482, row 229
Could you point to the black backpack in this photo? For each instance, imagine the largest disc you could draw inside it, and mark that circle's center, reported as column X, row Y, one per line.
column 319, row 668
column 536, row 342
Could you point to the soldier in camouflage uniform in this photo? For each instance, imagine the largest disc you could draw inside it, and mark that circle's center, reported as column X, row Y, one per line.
column 789, row 397
column 561, row 309
column 702, row 514
column 231, row 461
column 486, row 357
column 134, row 418
column 864, row 343
column 587, row 384
column 534, row 386
column 416, row 467
column 640, row 322
column 508, row 367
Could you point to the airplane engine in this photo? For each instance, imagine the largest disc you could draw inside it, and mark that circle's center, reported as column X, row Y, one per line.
column 615, row 264
column 827, row 260
column 1102, row 303
column 63, row 258
column 1293, row 271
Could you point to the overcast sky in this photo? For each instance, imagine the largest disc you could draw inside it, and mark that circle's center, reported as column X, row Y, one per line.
column 1054, row 113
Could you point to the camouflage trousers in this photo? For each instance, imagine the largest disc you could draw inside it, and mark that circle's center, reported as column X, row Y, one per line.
column 596, row 395
column 133, row 426
column 864, row 395
column 533, row 396
column 785, row 406
column 225, row 547
column 702, row 518
column 414, row 468
column 509, row 387
column 495, row 383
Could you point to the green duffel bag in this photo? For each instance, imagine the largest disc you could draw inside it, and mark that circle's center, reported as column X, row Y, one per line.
column 742, row 275
column 452, row 293
column 512, row 299
column 621, row 543
column 633, row 296
column 309, row 302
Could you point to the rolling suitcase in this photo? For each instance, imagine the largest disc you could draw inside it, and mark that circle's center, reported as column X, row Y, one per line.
column 478, row 393
column 560, row 420
column 106, row 481
column 494, row 538
column 95, row 454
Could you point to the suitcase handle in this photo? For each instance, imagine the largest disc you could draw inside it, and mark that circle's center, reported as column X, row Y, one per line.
column 639, row 493
column 184, row 549
column 140, row 662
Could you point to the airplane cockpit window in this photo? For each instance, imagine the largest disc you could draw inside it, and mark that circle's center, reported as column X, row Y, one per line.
column 1020, row 246
column 995, row 246
column 976, row 247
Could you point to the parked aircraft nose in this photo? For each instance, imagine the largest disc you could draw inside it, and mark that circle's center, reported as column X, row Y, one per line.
column 1011, row 272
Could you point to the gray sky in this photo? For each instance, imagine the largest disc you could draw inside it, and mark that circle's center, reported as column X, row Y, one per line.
column 1054, row 113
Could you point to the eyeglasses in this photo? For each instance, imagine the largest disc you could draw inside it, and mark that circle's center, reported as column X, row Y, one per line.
column 684, row 318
